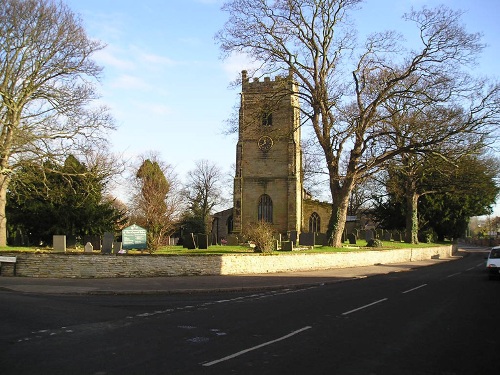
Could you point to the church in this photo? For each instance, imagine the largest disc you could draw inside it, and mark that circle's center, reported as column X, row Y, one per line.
column 268, row 181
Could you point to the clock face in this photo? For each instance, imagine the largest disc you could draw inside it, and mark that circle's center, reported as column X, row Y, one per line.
column 265, row 143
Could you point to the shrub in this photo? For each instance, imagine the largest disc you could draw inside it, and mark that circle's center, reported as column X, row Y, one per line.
column 374, row 242
column 261, row 234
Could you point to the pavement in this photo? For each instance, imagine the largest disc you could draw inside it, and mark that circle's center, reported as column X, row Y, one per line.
column 204, row 284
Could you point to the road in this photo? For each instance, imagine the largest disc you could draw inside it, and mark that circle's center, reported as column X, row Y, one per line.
column 442, row 319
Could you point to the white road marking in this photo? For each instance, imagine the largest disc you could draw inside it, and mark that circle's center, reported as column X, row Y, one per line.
column 453, row 274
column 411, row 290
column 256, row 347
column 364, row 307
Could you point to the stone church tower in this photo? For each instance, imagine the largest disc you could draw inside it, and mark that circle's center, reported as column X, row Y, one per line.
column 268, row 179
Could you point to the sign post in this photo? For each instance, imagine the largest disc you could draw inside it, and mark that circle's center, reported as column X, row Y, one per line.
column 134, row 237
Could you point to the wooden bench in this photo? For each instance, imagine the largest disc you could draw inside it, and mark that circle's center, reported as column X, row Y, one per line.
column 7, row 259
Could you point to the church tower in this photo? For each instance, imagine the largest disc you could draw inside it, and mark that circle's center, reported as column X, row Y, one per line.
column 268, row 179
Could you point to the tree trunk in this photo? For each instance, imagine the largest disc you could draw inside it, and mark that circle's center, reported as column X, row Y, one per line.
column 4, row 183
column 340, row 204
column 411, row 235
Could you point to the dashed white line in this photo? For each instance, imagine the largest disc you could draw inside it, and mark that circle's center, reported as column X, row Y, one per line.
column 364, row 307
column 411, row 290
column 453, row 274
column 256, row 347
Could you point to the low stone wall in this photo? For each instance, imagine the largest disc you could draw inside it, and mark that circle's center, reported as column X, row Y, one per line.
column 103, row 266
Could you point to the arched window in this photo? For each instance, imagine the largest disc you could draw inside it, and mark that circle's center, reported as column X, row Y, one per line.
column 229, row 224
column 314, row 223
column 265, row 208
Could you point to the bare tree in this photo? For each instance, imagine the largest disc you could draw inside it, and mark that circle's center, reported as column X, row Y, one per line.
column 203, row 190
column 155, row 202
column 343, row 86
column 47, row 84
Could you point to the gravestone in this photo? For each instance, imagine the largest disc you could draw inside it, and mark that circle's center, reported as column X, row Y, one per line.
column 134, row 237
column 94, row 240
column 352, row 238
column 117, row 247
column 397, row 237
column 286, row 245
column 189, row 241
column 306, row 239
column 59, row 243
column 71, row 242
column 369, row 235
column 88, row 248
column 202, row 241
column 276, row 245
column 379, row 233
column 321, row 239
column 293, row 237
column 232, row 240
column 107, row 243
column 387, row 236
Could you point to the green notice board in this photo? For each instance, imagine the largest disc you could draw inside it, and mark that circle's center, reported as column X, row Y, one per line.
column 134, row 237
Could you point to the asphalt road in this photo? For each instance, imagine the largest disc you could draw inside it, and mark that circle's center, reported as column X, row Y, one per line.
column 441, row 319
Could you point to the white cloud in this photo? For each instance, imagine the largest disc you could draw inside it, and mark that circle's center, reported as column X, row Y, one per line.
column 130, row 82
column 234, row 64
column 109, row 58
column 154, row 108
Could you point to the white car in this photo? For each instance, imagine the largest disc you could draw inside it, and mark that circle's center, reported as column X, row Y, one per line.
column 493, row 262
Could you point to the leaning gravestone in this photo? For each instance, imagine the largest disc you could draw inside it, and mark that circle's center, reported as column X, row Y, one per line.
column 59, row 243
column 134, row 237
column 107, row 243
column 189, row 241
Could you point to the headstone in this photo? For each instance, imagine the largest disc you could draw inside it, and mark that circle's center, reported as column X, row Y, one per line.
column 306, row 239
column 88, row 248
column 189, row 241
column 387, row 236
column 59, row 243
column 71, row 242
column 107, row 243
column 321, row 239
column 232, row 240
column 369, row 235
column 117, row 247
column 352, row 238
column 293, row 237
column 276, row 245
column 379, row 233
column 202, row 241
column 134, row 237
column 286, row 245
column 397, row 237
column 94, row 240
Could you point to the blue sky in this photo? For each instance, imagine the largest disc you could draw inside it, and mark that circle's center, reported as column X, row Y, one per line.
column 169, row 90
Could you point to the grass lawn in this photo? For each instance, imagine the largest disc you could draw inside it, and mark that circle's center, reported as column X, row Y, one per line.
column 220, row 250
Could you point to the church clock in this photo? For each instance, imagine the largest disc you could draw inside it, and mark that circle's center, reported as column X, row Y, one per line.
column 265, row 143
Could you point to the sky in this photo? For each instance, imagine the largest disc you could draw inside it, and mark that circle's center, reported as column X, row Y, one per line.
column 168, row 88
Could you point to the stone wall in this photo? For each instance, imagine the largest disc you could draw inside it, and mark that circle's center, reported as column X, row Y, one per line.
column 102, row 266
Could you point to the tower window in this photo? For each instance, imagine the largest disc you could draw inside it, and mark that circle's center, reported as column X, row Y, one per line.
column 314, row 223
column 267, row 118
column 265, row 208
